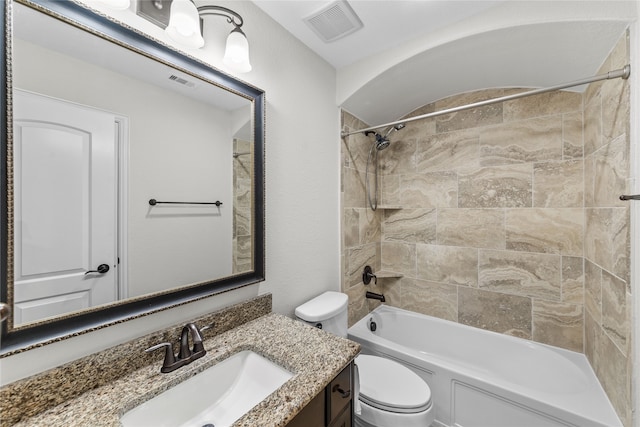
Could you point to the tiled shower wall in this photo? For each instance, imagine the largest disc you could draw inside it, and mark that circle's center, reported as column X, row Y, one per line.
column 504, row 217
column 242, row 206
column 607, row 271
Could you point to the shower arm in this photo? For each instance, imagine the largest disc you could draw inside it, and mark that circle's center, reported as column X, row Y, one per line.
column 623, row 73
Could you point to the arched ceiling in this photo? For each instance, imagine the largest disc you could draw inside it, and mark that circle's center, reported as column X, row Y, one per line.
column 410, row 53
column 536, row 55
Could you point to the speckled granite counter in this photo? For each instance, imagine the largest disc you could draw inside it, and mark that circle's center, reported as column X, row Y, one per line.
column 315, row 358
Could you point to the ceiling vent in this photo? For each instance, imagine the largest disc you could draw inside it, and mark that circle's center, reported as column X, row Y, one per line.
column 181, row 81
column 334, row 21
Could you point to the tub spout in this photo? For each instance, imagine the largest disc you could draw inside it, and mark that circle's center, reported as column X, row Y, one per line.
column 373, row 295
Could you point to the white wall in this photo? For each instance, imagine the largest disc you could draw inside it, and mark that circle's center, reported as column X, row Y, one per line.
column 302, row 185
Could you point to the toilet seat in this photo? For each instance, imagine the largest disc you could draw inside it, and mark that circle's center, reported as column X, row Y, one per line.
column 390, row 386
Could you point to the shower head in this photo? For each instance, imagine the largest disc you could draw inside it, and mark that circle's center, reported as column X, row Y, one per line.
column 382, row 142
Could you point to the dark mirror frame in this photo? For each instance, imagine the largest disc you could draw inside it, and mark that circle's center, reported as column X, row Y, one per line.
column 29, row 336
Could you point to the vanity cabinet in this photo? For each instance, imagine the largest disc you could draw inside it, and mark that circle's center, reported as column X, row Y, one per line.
column 333, row 407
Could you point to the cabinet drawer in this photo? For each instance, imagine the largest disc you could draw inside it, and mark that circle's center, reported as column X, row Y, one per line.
column 339, row 393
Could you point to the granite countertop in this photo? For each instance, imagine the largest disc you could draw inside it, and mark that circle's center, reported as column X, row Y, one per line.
column 313, row 356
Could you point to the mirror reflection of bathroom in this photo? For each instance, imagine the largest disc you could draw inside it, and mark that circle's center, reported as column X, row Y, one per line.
column 140, row 130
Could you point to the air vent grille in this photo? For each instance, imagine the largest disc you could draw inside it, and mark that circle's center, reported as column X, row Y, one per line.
column 181, row 81
column 334, row 21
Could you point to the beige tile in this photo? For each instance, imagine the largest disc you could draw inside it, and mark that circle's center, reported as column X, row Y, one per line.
column 607, row 239
column 476, row 117
column 351, row 227
column 614, row 310
column 244, row 254
column 612, row 373
column 355, row 148
column 391, row 288
column 357, row 307
column 615, row 94
column 423, row 127
column 572, row 136
column 389, row 190
column 448, row 151
column 353, row 188
column 558, row 184
column 533, row 140
column 520, row 273
column 351, row 122
column 547, row 230
column 593, row 90
column 430, row 298
column 356, row 259
column 503, row 313
column 589, row 181
column 434, row 189
column 476, row 228
column 615, row 108
column 593, row 290
column 369, row 226
column 400, row 157
column 546, row 104
column 611, row 170
column 619, row 56
column 573, row 280
column 593, row 125
column 611, row 367
column 399, row 257
column 559, row 324
column 496, row 187
column 410, row 225
column 593, row 335
column 447, row 264
column 242, row 220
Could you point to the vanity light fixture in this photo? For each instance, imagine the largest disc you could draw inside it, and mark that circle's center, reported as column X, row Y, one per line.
column 184, row 28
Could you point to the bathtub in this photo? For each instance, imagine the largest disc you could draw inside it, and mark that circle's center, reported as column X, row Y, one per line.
column 484, row 379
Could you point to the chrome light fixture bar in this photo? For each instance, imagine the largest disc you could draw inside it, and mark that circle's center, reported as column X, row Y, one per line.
column 182, row 22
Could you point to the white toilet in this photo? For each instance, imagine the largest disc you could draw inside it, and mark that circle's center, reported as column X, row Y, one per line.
column 390, row 394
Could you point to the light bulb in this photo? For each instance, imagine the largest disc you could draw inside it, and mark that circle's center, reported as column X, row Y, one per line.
column 184, row 24
column 236, row 55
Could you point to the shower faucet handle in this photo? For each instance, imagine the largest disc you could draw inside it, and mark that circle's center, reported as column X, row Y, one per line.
column 367, row 275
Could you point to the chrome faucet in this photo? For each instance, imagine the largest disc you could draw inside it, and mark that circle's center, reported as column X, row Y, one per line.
column 186, row 355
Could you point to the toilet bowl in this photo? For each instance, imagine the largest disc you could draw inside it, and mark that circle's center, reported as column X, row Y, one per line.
column 389, row 394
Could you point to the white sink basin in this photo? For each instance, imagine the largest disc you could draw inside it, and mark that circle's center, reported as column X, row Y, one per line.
column 217, row 396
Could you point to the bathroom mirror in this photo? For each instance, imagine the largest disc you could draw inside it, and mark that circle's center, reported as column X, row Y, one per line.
column 132, row 175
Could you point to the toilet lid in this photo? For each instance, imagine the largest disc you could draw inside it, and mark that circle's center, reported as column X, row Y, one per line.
column 390, row 386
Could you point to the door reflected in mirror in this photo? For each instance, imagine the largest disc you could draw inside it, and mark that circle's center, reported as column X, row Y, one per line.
column 99, row 131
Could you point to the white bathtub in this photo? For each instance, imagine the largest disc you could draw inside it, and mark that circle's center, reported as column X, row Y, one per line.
column 484, row 379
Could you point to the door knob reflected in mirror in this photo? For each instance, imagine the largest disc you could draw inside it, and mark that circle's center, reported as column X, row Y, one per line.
column 102, row 268
column 5, row 311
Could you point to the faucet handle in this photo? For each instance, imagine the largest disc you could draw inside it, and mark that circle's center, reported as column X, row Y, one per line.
column 209, row 326
column 169, row 358
column 367, row 275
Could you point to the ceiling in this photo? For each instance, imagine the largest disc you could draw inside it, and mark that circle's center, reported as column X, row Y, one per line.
column 410, row 53
column 386, row 23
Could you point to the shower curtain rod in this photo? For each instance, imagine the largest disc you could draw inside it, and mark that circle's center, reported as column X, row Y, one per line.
column 624, row 73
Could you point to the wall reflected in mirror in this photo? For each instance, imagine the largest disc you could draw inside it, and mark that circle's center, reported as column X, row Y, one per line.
column 99, row 130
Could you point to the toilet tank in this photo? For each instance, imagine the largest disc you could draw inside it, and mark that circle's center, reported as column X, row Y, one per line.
column 327, row 311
